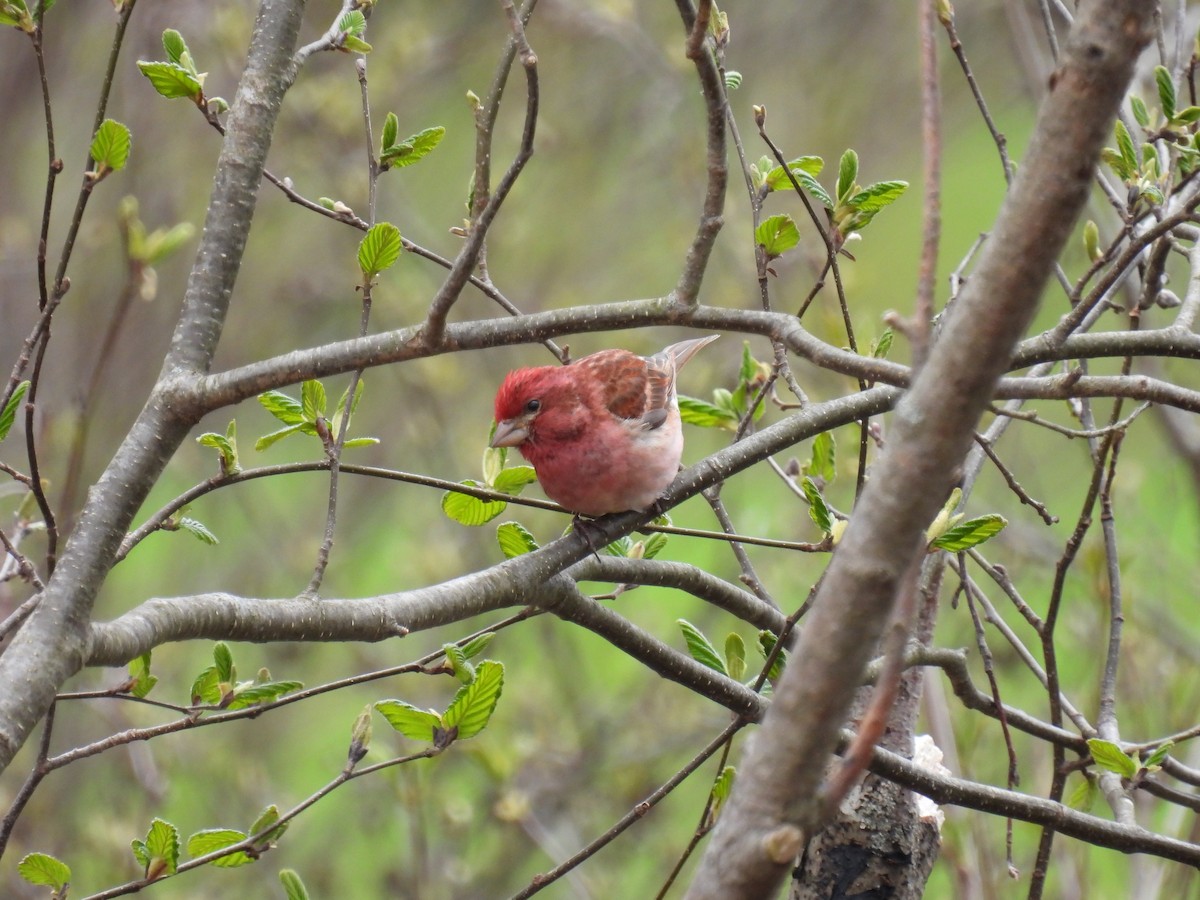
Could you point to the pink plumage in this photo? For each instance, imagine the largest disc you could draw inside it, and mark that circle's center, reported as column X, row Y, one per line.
column 603, row 433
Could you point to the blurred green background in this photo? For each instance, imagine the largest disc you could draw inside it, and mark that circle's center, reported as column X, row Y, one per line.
column 604, row 212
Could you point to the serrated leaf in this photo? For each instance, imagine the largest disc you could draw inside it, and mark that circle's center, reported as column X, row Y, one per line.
column 415, row 724
column 1109, row 756
column 287, row 410
column 700, row 648
column 814, row 187
column 875, row 197
column 818, row 509
column 698, row 412
column 312, row 400
column 735, row 656
column 512, row 480
column 161, row 849
column 776, row 235
column 391, row 127
column 9, row 414
column 110, row 146
column 412, row 148
column 459, row 667
column 353, row 22
column 212, row 839
column 467, row 510
column 1125, row 147
column 171, row 80
column 1141, row 115
column 175, row 46
column 199, row 530
column 474, row 703
column 478, row 644
column 44, row 870
column 223, row 660
column 515, row 539
column 379, row 250
column 777, row 178
column 292, row 885
column 621, row 547
column 823, row 462
column 970, row 533
column 206, row 687
column 1166, row 91
column 654, row 545
column 139, row 674
column 847, row 173
column 254, row 694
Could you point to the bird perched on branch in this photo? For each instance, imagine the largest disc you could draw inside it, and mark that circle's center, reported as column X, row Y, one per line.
column 603, row 432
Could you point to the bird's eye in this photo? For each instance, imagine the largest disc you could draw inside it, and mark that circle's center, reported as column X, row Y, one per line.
column 533, row 406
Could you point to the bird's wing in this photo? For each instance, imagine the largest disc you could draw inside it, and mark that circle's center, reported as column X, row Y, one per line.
column 633, row 387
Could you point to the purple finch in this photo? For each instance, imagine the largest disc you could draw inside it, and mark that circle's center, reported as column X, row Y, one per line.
column 603, row 432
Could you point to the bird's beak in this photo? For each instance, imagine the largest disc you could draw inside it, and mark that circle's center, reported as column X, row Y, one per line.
column 509, row 433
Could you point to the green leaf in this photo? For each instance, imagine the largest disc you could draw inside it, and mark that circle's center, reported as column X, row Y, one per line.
column 970, row 533
column 621, row 547
column 1091, row 240
column 881, row 347
column 721, row 789
column 212, row 839
column 777, row 178
column 478, row 644
column 467, row 510
column 206, row 688
column 412, row 148
column 1125, row 146
column 776, row 235
column 292, row 885
column 44, row 870
column 198, row 530
column 515, row 539
column 223, row 660
column 139, row 674
column 176, row 47
column 847, row 173
column 654, row 545
column 459, row 666
column 823, row 463
column 415, row 724
column 312, row 400
column 335, row 424
column 512, row 480
column 474, row 703
column 766, row 643
column 814, row 187
column 1109, row 756
column 706, row 415
column 379, row 250
column 818, row 509
column 1083, row 797
column 1155, row 759
column 353, row 22
column 226, row 446
column 9, row 414
column 875, row 197
column 1188, row 115
column 159, row 853
column 352, row 44
column 1166, row 91
column 735, row 656
column 1141, row 115
column 268, row 439
column 700, row 647
column 110, row 146
column 391, row 127
column 255, row 694
column 360, row 442
column 287, row 410
column 171, row 80
column 268, row 817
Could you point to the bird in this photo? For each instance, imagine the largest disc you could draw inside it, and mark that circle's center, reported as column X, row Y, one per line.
column 603, row 432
